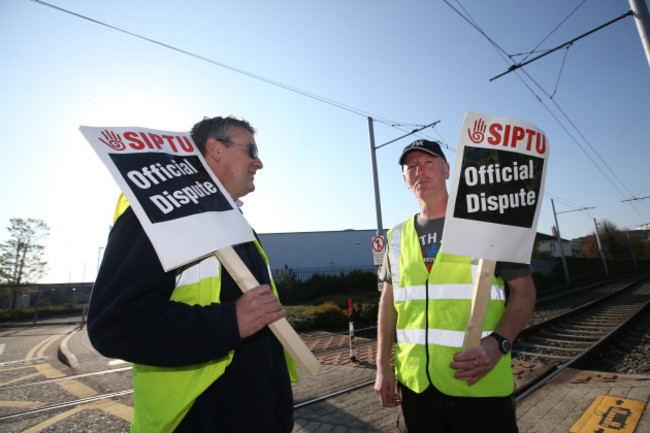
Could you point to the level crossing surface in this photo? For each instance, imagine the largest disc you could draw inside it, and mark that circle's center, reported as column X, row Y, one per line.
column 556, row 407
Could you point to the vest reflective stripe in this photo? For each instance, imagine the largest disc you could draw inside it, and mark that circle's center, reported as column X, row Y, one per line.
column 441, row 337
column 431, row 323
column 444, row 291
column 164, row 395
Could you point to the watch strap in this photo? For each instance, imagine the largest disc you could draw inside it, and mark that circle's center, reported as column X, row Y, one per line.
column 504, row 344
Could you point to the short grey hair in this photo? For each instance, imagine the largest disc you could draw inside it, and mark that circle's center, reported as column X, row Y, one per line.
column 218, row 128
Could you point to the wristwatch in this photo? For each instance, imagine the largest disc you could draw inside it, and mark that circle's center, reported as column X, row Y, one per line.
column 504, row 344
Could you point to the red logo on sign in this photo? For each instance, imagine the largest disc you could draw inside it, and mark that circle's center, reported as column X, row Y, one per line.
column 146, row 140
column 508, row 136
column 113, row 140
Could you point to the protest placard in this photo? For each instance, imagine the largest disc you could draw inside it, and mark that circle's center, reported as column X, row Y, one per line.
column 494, row 201
column 496, row 189
column 177, row 200
column 175, row 197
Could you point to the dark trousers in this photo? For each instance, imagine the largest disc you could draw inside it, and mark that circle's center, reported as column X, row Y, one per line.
column 433, row 411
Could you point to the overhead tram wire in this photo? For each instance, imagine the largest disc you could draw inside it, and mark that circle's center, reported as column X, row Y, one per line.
column 553, row 31
column 472, row 22
column 575, row 207
column 506, row 56
column 593, row 150
column 587, row 154
column 284, row 86
column 566, row 52
column 563, row 200
column 522, row 64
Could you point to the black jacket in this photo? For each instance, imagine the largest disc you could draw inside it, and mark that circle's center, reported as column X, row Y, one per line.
column 131, row 318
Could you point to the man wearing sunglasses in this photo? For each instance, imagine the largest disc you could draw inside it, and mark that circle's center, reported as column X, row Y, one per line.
column 203, row 358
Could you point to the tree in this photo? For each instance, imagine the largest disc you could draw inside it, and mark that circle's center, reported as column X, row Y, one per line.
column 590, row 247
column 20, row 256
column 613, row 241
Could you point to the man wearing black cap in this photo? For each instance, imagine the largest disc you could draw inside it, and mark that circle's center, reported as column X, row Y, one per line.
column 424, row 309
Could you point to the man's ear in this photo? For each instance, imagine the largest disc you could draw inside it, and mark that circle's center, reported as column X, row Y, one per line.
column 405, row 182
column 213, row 148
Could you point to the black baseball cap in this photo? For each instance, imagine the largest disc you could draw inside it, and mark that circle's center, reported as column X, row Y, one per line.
column 429, row 146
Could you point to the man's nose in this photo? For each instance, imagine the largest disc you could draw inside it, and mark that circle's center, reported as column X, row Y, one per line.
column 257, row 162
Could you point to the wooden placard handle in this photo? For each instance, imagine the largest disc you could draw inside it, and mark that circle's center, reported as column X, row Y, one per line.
column 281, row 328
column 480, row 298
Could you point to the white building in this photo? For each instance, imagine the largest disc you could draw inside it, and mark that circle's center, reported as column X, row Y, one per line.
column 326, row 249
column 344, row 250
column 549, row 243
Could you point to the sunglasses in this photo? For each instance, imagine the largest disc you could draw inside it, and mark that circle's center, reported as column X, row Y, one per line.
column 251, row 147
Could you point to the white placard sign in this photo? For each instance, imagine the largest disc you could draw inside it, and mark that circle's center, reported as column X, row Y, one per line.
column 182, row 206
column 496, row 189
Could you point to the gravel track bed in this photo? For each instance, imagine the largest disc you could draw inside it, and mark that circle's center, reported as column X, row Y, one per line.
column 629, row 356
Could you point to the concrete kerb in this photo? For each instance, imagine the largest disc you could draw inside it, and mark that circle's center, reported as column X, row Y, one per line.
column 66, row 355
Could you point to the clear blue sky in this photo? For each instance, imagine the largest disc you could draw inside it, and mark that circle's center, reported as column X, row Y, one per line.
column 408, row 63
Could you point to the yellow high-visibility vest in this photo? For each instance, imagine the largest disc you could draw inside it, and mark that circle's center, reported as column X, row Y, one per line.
column 432, row 313
column 164, row 395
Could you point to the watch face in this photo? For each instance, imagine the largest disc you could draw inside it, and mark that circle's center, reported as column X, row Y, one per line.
column 506, row 345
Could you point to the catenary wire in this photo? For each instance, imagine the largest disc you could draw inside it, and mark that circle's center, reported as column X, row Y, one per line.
column 553, row 31
column 503, row 54
column 557, row 82
column 348, row 108
column 357, row 111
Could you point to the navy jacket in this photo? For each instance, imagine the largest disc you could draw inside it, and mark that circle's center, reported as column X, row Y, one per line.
column 130, row 317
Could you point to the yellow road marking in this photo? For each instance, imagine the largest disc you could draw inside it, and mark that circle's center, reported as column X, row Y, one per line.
column 117, row 409
column 48, row 371
column 22, row 367
column 27, row 404
column 42, row 346
column 77, row 389
column 72, row 386
column 19, row 379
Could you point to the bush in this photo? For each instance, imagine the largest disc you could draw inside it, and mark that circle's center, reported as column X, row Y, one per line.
column 327, row 315
column 292, row 291
column 27, row 313
column 324, row 316
column 333, row 313
column 367, row 311
column 298, row 319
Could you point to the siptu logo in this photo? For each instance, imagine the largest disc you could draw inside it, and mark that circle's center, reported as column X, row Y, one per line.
column 113, row 140
column 478, row 134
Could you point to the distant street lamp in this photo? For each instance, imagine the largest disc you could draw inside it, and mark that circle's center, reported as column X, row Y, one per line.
column 99, row 254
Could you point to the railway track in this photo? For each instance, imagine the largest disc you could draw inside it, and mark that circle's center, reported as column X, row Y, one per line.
column 576, row 338
column 572, row 339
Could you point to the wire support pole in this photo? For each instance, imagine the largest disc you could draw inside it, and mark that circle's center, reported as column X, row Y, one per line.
column 642, row 19
column 373, row 161
column 600, row 247
column 520, row 65
column 375, row 178
column 559, row 242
